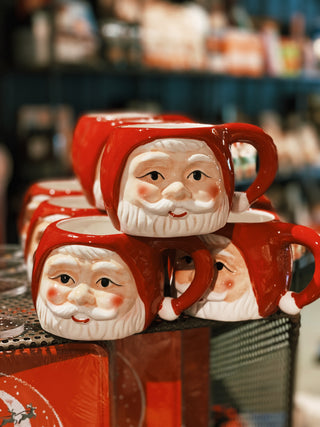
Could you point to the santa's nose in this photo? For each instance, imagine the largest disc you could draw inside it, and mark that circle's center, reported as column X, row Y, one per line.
column 176, row 191
column 82, row 295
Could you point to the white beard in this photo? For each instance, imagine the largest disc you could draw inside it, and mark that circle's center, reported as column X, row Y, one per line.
column 138, row 222
column 244, row 308
column 132, row 322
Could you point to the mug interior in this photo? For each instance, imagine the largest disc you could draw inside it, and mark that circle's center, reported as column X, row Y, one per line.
column 95, row 225
column 168, row 125
column 61, row 185
column 75, row 202
column 251, row 216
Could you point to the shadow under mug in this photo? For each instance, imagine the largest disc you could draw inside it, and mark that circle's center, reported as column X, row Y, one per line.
column 253, row 268
column 81, row 294
column 210, row 149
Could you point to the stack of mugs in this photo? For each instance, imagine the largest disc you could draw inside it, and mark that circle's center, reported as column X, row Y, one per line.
column 157, row 229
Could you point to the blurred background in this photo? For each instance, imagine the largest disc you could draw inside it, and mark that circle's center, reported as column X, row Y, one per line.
column 216, row 61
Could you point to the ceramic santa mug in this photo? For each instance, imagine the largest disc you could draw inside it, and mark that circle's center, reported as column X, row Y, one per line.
column 37, row 193
column 253, row 269
column 92, row 282
column 48, row 211
column 89, row 139
column 177, row 179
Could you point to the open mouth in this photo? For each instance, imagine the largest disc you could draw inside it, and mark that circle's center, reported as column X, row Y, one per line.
column 177, row 215
column 80, row 320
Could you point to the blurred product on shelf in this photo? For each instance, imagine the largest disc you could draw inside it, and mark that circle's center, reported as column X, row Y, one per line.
column 244, row 160
column 165, row 41
column 64, row 32
column 76, row 32
column 221, row 37
column 297, row 141
column 45, row 134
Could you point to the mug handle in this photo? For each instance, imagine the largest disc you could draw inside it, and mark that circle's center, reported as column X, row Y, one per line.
column 292, row 302
column 171, row 308
column 268, row 161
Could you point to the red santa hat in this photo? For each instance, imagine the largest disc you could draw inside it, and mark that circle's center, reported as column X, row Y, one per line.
column 91, row 134
column 265, row 248
column 124, row 139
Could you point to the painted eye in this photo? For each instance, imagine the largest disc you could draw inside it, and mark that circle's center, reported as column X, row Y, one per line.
column 220, row 266
column 154, row 175
column 65, row 279
column 197, row 175
column 105, row 282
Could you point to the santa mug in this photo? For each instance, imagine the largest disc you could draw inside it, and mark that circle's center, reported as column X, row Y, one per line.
column 177, row 179
column 253, row 269
column 48, row 211
column 89, row 139
column 40, row 191
column 92, row 282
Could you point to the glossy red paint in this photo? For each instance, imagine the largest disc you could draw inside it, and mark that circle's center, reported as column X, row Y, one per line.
column 124, row 139
column 265, row 247
column 143, row 256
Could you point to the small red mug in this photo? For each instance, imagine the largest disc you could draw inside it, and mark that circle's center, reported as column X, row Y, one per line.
column 48, row 211
column 177, row 179
column 253, row 269
column 92, row 282
column 40, row 191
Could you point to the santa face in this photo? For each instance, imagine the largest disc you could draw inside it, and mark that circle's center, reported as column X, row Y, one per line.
column 172, row 187
column 88, row 293
column 230, row 297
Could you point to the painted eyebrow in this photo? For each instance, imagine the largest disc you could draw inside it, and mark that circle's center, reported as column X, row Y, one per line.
column 226, row 254
column 63, row 261
column 200, row 158
column 111, row 266
column 144, row 157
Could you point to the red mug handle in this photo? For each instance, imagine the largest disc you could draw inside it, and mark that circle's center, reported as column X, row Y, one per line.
column 268, row 161
column 292, row 302
column 171, row 308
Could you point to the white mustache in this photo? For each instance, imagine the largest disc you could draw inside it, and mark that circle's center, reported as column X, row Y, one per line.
column 67, row 310
column 164, row 206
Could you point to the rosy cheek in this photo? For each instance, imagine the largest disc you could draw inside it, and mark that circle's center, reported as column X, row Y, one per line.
column 116, row 301
column 224, row 285
column 143, row 191
column 147, row 193
column 55, row 296
column 214, row 190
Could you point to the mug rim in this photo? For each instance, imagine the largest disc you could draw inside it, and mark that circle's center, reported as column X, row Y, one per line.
column 75, row 201
column 93, row 225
